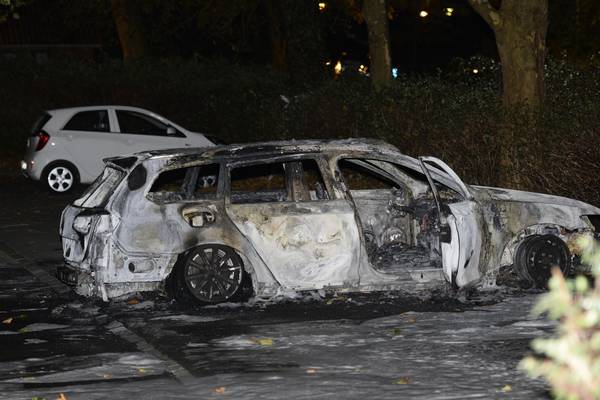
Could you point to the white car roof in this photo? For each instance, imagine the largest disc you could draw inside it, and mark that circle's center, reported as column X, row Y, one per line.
column 71, row 110
column 64, row 113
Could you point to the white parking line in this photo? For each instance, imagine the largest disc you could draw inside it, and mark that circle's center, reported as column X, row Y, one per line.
column 176, row 369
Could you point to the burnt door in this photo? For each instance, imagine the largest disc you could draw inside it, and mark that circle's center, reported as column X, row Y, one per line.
column 460, row 226
column 306, row 237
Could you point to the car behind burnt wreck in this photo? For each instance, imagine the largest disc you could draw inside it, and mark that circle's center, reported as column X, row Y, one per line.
column 306, row 215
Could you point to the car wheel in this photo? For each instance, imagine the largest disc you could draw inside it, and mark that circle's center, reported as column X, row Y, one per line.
column 60, row 177
column 212, row 274
column 537, row 255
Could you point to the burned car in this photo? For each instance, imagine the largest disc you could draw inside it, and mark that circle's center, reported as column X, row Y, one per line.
column 345, row 215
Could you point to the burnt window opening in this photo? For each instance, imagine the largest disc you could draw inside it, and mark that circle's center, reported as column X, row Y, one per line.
column 313, row 185
column 171, row 181
column 358, row 177
column 95, row 121
column 207, row 182
column 137, row 177
column 263, row 183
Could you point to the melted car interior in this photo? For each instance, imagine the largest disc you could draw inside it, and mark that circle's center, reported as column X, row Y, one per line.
column 397, row 212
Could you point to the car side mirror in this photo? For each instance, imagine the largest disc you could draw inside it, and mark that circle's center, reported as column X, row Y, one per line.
column 171, row 131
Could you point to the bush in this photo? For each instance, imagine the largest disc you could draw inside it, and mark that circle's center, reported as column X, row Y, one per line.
column 570, row 361
column 454, row 116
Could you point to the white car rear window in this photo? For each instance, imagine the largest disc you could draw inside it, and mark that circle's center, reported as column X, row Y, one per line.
column 99, row 192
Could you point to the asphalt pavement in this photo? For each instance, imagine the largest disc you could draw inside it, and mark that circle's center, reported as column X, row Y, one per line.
column 54, row 343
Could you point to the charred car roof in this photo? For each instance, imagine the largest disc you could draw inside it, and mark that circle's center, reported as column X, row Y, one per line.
column 269, row 148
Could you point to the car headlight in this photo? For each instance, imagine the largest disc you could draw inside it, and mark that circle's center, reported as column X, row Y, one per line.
column 82, row 224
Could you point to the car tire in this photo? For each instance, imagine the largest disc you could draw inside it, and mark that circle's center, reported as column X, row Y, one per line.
column 537, row 255
column 60, row 177
column 210, row 274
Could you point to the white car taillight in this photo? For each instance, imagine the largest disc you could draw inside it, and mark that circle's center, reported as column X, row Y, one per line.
column 82, row 224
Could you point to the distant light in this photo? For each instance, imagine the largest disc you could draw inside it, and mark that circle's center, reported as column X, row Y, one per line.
column 322, row 6
column 475, row 71
column 449, row 11
column 394, row 72
column 423, row 14
column 362, row 69
column 328, row 63
column 338, row 68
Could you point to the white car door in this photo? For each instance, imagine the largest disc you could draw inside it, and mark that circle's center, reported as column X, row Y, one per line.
column 460, row 224
column 143, row 132
column 88, row 139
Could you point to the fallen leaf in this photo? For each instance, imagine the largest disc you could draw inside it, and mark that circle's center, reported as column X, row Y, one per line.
column 219, row 390
column 107, row 376
column 411, row 320
column 23, row 330
column 264, row 341
column 62, row 397
column 311, row 371
column 507, row 388
column 7, row 321
column 133, row 301
column 142, row 370
column 395, row 331
column 402, row 381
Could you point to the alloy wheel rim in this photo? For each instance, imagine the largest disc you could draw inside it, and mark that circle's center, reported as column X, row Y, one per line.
column 213, row 274
column 542, row 256
column 60, row 179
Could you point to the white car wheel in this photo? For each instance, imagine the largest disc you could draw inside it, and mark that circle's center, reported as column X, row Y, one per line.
column 60, row 179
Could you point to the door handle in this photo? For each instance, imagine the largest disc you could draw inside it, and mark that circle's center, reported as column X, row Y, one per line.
column 198, row 217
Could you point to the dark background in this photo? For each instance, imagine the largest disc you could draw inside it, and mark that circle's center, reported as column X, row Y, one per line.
column 209, row 67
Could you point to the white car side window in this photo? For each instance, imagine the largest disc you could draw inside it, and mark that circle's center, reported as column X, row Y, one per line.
column 94, row 121
column 135, row 123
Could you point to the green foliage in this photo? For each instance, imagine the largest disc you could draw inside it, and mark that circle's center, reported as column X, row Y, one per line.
column 10, row 9
column 570, row 361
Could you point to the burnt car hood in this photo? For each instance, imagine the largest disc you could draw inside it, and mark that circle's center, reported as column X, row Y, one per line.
column 501, row 194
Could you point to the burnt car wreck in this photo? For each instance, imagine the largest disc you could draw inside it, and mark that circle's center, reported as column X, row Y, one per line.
column 306, row 215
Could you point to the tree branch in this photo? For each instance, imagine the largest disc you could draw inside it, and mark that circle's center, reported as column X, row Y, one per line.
column 490, row 14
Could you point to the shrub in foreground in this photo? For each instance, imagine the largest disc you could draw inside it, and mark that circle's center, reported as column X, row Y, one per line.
column 570, row 361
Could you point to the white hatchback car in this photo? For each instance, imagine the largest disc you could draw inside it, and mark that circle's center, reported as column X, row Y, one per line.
column 68, row 145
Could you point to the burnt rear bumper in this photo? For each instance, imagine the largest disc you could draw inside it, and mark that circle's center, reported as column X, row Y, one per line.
column 67, row 275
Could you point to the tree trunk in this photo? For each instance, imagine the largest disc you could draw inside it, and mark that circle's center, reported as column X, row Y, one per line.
column 131, row 36
column 278, row 37
column 522, row 48
column 521, row 42
column 520, row 28
column 375, row 14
